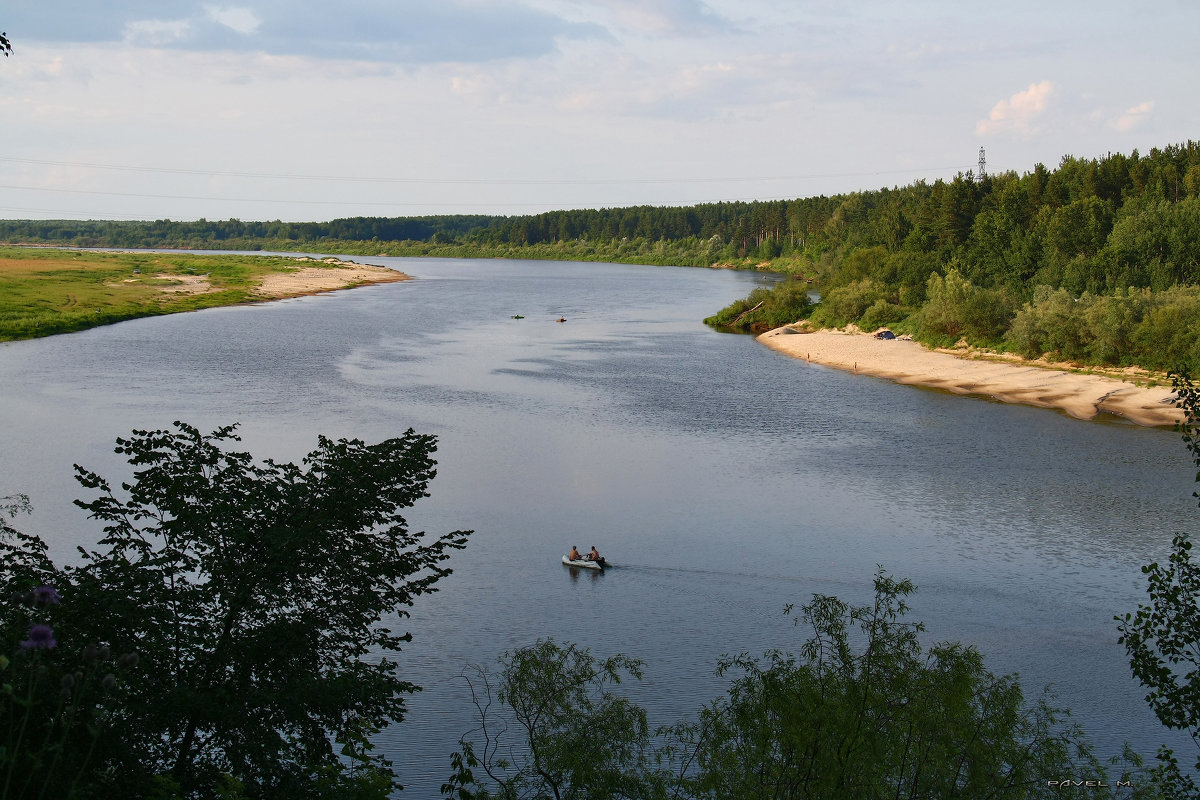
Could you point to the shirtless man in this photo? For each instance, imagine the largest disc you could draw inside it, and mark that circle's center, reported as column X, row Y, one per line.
column 594, row 555
column 574, row 554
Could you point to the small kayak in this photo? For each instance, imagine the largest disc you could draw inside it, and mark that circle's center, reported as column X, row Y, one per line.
column 583, row 562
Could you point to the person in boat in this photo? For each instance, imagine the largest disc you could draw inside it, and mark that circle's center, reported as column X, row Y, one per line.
column 594, row 556
column 574, row 554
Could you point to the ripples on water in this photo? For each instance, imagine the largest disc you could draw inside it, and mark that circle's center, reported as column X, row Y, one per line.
column 725, row 479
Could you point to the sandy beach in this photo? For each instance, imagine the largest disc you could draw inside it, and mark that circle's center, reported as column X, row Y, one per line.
column 330, row 276
column 1082, row 396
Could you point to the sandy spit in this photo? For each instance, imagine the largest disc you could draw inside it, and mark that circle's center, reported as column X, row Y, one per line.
column 328, row 277
column 1081, row 396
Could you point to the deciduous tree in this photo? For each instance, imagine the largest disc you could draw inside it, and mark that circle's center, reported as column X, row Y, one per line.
column 1162, row 638
column 550, row 726
column 263, row 599
column 888, row 718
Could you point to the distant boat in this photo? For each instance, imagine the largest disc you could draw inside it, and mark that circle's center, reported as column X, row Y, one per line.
column 561, row 319
column 517, row 316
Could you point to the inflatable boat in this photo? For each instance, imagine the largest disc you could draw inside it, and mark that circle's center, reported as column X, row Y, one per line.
column 583, row 562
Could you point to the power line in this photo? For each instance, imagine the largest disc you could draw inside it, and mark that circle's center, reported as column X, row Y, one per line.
column 476, row 204
column 540, row 208
column 471, row 181
column 93, row 215
column 290, row 201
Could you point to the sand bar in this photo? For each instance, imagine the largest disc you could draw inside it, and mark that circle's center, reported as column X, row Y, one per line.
column 1082, row 396
column 330, row 276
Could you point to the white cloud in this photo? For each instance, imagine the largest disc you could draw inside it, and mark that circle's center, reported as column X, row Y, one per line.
column 1133, row 117
column 665, row 17
column 1019, row 112
column 242, row 20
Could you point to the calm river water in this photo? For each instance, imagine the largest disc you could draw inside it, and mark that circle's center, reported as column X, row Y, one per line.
column 725, row 479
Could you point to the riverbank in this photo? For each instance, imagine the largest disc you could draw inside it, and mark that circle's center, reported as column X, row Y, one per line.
column 330, row 276
column 1008, row 380
column 45, row 291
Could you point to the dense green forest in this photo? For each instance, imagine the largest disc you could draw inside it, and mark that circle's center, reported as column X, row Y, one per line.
column 1096, row 261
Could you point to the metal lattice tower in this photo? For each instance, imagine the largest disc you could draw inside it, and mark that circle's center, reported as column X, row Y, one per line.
column 982, row 166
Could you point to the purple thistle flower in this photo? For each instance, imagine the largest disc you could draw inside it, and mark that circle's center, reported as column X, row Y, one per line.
column 46, row 596
column 40, row 637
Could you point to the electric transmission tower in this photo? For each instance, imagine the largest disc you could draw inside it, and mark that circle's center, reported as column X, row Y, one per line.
column 982, row 167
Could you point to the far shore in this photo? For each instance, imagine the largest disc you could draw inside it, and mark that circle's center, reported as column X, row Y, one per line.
column 1083, row 396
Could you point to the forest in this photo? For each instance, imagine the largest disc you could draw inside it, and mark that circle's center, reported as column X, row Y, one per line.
column 1095, row 262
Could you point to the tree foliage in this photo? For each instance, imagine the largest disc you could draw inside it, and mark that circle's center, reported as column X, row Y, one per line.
column 550, row 726
column 888, row 718
column 863, row 711
column 957, row 308
column 1162, row 638
column 261, row 601
column 765, row 309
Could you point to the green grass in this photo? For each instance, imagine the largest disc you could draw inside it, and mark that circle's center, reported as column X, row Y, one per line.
column 49, row 291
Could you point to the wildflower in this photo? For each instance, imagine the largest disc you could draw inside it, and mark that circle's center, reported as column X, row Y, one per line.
column 46, row 596
column 128, row 660
column 40, row 637
column 108, row 681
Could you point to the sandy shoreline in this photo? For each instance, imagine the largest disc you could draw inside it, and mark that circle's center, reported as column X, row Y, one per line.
column 330, row 276
column 1081, row 396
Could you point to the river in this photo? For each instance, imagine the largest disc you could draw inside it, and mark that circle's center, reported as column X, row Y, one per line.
column 724, row 479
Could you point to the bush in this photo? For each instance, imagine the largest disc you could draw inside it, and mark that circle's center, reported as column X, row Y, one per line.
column 880, row 314
column 843, row 305
column 956, row 308
column 764, row 309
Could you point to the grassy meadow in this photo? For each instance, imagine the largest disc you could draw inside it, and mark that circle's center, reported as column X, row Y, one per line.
column 49, row 291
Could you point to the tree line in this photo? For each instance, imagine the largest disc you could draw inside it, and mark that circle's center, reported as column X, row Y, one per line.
column 994, row 254
column 1088, row 225
column 1097, row 262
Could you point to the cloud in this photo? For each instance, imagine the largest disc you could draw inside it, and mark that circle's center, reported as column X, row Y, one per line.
column 242, row 20
column 1019, row 112
column 1133, row 117
column 666, row 17
column 392, row 31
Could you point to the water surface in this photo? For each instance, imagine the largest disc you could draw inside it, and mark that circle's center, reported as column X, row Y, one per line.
column 723, row 478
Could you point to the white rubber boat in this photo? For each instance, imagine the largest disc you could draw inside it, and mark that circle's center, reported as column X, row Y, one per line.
column 583, row 562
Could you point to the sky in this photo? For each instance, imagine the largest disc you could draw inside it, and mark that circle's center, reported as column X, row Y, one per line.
column 309, row 110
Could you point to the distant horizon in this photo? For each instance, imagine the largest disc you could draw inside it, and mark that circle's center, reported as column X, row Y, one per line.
column 459, row 214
